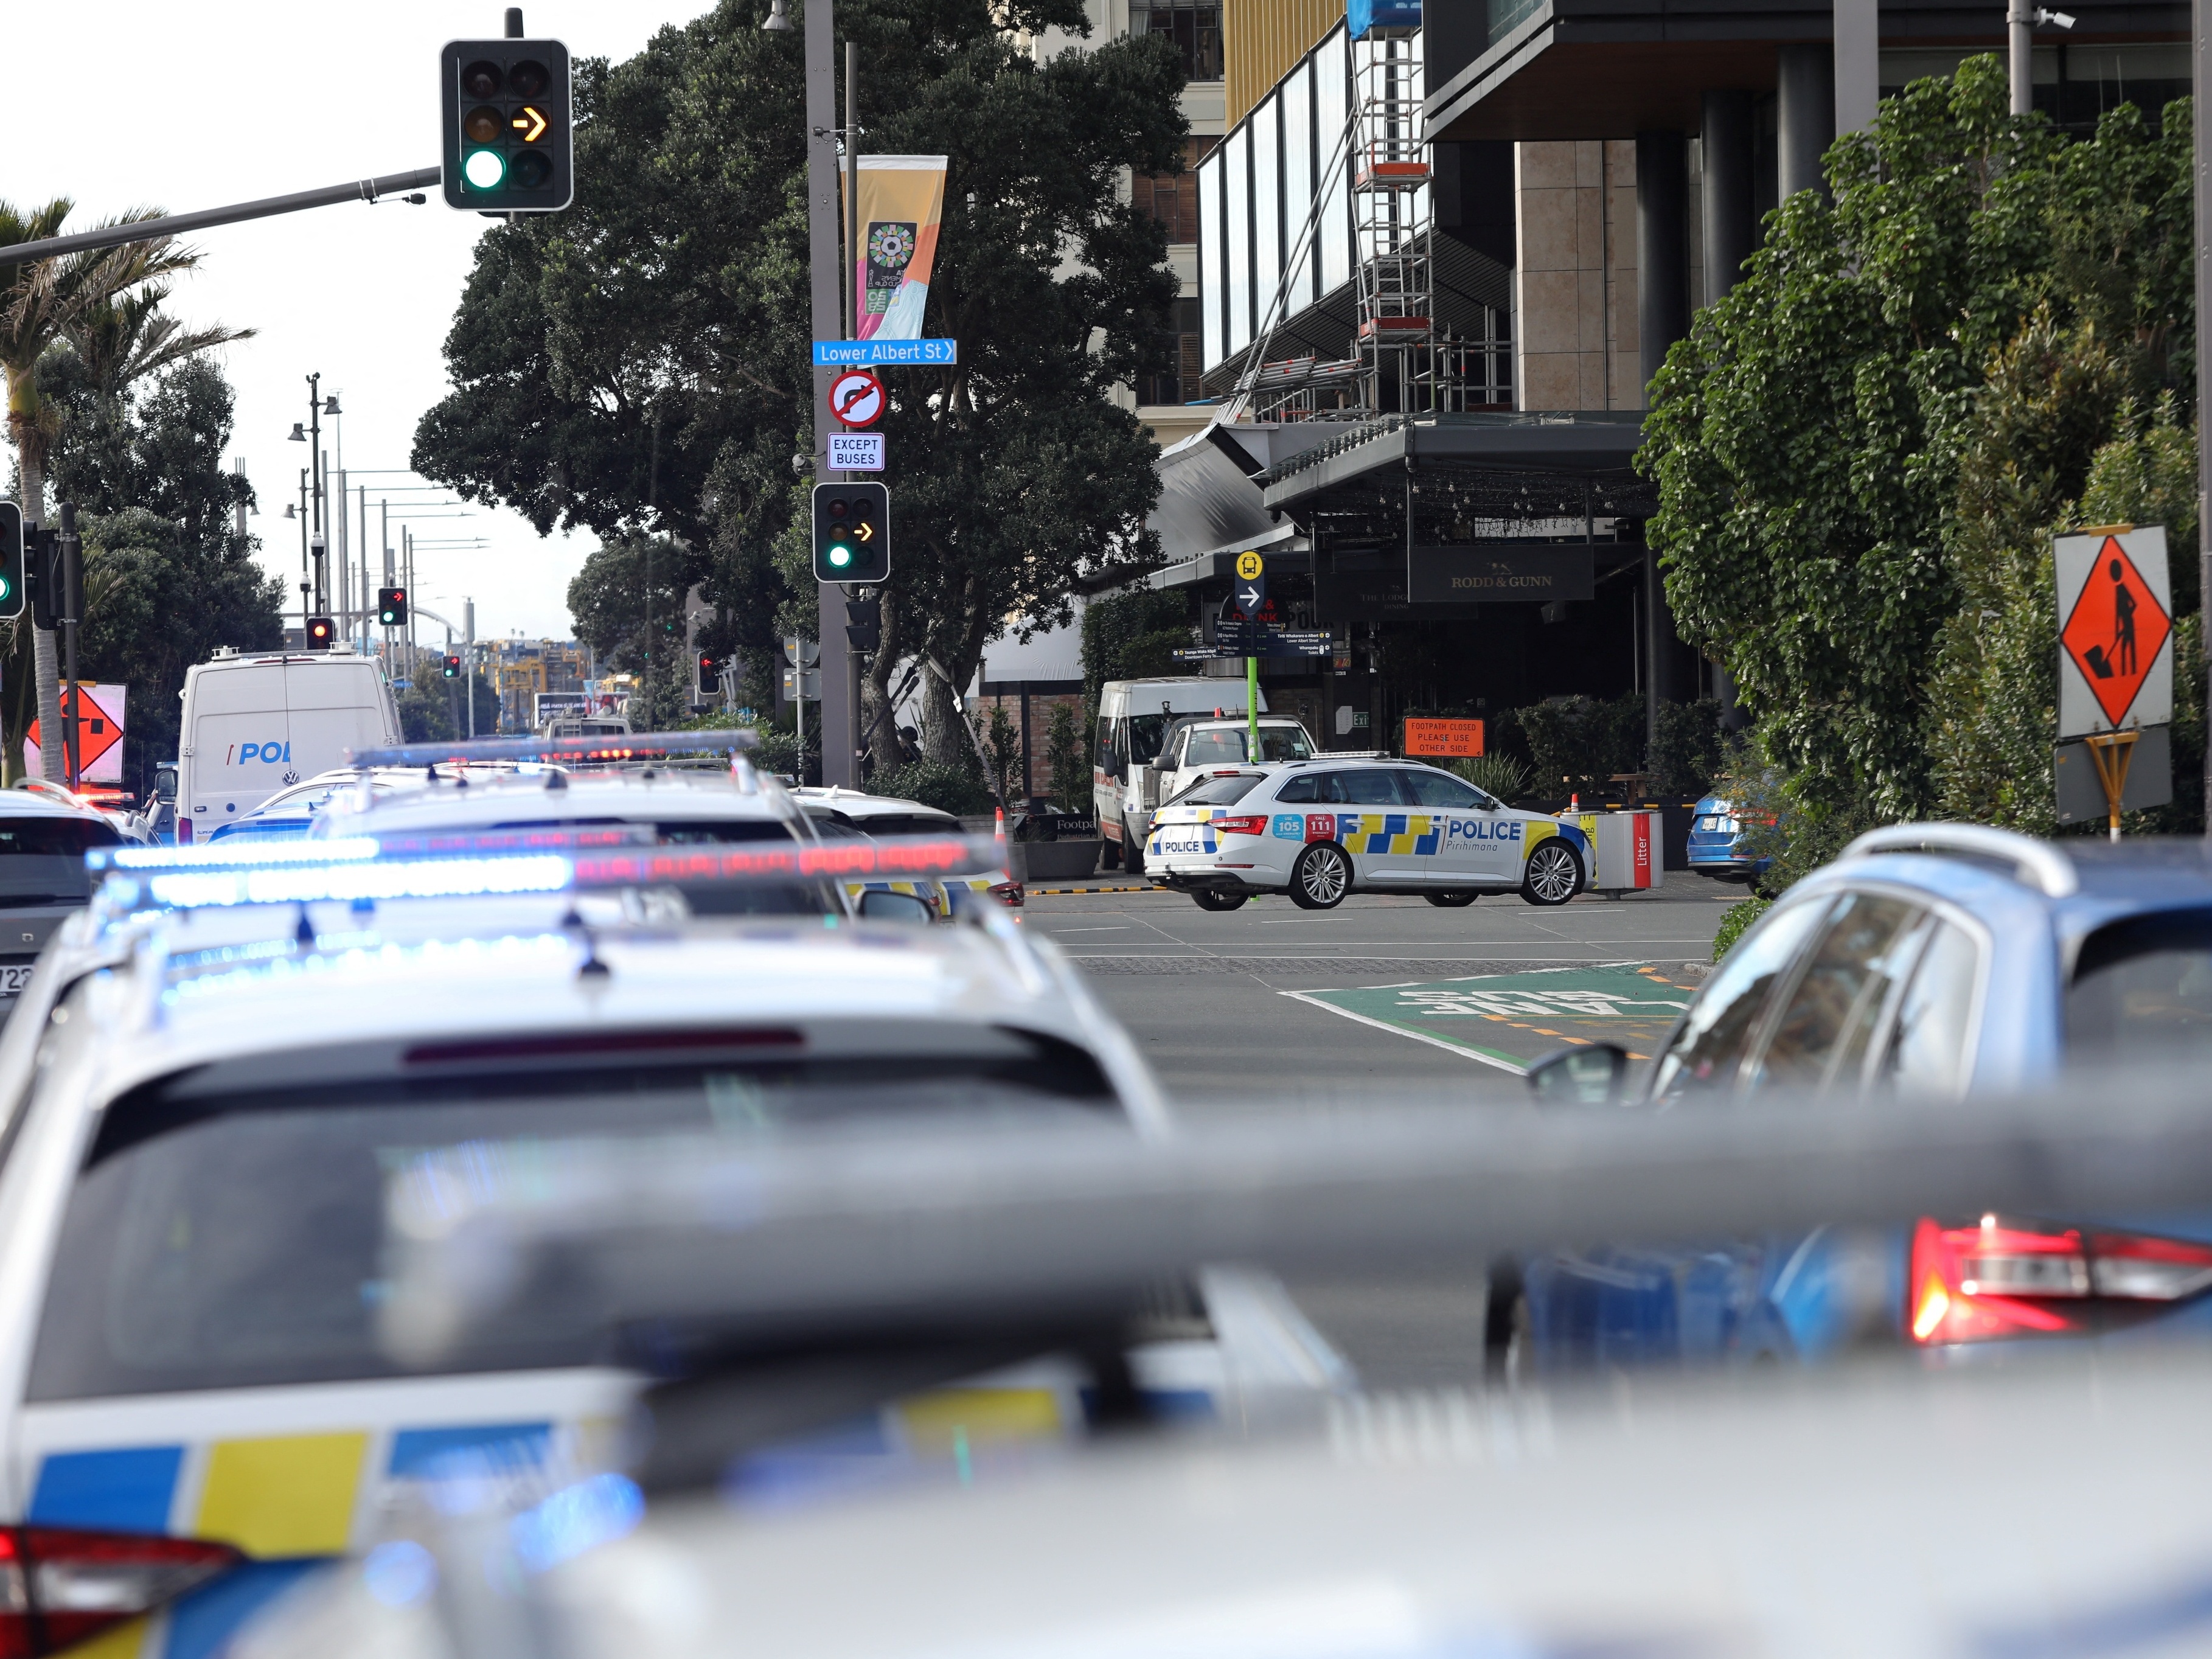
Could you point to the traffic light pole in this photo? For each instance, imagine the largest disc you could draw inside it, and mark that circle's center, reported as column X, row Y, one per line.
column 177, row 224
column 839, row 712
column 72, row 607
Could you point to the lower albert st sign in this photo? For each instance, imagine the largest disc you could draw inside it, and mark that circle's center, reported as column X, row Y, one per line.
column 1491, row 571
column 884, row 354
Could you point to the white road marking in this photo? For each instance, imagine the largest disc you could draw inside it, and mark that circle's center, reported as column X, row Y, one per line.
column 1418, row 1037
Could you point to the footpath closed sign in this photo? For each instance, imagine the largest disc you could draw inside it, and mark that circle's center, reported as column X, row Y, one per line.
column 1444, row 736
column 2115, row 630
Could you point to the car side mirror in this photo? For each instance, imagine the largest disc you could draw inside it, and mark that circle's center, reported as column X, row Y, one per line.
column 1591, row 1076
column 883, row 904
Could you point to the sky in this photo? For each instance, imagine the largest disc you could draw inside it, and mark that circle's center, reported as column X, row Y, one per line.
column 196, row 105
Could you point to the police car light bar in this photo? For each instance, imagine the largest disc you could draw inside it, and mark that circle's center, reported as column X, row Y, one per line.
column 648, row 746
column 502, row 863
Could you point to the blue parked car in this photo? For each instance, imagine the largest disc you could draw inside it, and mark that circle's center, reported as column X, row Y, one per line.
column 1935, row 960
column 1719, row 846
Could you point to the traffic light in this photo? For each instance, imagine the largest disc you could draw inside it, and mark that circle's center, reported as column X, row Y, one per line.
column 391, row 606
column 509, row 140
column 864, row 623
column 42, row 569
column 710, row 672
column 453, row 668
column 12, row 585
column 852, row 532
column 321, row 630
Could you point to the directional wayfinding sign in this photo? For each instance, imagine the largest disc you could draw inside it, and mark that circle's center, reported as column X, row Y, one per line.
column 2115, row 630
column 856, row 398
column 1249, row 591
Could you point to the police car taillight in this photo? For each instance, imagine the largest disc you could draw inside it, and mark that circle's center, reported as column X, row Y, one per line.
column 1255, row 824
column 59, row 1586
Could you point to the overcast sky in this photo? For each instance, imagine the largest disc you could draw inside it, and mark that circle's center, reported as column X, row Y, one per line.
column 130, row 103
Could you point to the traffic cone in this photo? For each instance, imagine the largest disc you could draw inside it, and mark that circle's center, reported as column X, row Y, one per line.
column 1000, row 836
column 1575, row 802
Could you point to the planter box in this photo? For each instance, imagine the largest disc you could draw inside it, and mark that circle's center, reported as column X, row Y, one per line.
column 1054, row 860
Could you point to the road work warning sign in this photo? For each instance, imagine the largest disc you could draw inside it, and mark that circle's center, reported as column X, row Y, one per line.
column 2115, row 630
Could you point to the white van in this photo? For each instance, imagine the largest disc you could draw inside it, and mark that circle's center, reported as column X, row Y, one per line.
column 1133, row 715
column 254, row 725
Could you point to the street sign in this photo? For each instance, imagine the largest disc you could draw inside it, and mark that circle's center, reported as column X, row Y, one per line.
column 100, row 710
column 2115, row 630
column 1250, row 590
column 2149, row 780
column 805, row 689
column 1439, row 736
column 886, row 354
column 856, row 398
column 801, row 654
column 856, row 452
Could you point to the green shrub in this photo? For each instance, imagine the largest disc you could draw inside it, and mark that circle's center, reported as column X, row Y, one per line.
column 1497, row 774
column 1576, row 744
column 951, row 789
column 1736, row 918
column 1068, row 760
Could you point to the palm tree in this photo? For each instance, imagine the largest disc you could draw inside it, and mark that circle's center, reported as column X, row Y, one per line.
column 122, row 340
column 41, row 300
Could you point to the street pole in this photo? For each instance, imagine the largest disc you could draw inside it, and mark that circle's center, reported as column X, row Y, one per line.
column 305, row 599
column 827, row 308
column 2200, row 75
column 469, row 632
column 1252, row 705
column 72, row 552
column 853, row 279
column 2019, row 37
column 316, row 461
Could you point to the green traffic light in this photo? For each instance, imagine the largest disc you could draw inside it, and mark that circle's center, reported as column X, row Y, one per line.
column 484, row 169
column 839, row 555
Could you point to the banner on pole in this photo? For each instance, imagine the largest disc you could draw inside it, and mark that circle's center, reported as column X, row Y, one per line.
column 901, row 201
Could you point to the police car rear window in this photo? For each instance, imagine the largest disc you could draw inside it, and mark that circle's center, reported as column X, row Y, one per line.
column 42, row 859
column 227, row 1230
column 1212, row 790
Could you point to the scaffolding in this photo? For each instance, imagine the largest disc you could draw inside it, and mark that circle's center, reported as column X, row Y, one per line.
column 1403, row 360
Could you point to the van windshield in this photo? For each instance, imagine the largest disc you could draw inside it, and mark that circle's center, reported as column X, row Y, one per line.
column 1146, row 732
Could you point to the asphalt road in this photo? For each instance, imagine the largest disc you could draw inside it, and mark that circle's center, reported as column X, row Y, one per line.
column 1273, row 1010
column 1219, row 1003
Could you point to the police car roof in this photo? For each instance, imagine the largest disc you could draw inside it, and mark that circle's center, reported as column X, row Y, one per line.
column 239, row 981
column 477, row 800
column 22, row 802
column 859, row 804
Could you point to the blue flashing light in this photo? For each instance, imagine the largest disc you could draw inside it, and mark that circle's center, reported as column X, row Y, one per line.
column 194, row 890
column 575, row 1519
column 352, row 849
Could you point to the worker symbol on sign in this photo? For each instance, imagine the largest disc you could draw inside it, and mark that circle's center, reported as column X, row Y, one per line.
column 2115, row 630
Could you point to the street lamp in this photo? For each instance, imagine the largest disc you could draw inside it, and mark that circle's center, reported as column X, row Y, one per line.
column 299, row 432
column 778, row 20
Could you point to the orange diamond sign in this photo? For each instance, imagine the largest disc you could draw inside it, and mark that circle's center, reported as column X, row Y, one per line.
column 2115, row 630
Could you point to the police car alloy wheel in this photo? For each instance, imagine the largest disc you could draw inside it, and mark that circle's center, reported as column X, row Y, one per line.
column 1209, row 899
column 1452, row 901
column 1320, row 878
column 1553, row 875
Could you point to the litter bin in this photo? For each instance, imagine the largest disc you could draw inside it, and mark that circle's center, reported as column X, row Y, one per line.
column 1628, row 847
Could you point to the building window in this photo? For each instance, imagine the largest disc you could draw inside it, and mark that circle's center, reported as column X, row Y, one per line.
column 1172, row 197
column 1195, row 30
column 1181, row 359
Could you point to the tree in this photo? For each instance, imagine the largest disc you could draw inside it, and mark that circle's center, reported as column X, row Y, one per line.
column 158, row 526
column 1809, row 437
column 627, row 604
column 639, row 364
column 41, row 300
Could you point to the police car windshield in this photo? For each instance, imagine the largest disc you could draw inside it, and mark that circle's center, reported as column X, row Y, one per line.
column 1224, row 789
column 227, row 1230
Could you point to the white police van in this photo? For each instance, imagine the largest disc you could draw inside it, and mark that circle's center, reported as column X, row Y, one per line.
column 256, row 724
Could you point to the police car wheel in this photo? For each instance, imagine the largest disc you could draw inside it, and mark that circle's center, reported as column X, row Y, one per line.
column 1209, row 899
column 1452, row 901
column 1554, row 874
column 1320, row 878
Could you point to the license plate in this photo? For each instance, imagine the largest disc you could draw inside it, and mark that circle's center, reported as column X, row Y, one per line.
column 13, row 979
column 1177, row 844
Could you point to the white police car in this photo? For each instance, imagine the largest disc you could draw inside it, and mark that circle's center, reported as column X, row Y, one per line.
column 223, row 1062
column 1319, row 830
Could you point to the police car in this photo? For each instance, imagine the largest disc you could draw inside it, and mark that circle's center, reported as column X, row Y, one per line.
column 836, row 812
column 229, row 1055
column 1320, row 829
column 44, row 837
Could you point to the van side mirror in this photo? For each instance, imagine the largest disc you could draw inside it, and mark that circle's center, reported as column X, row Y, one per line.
column 1592, row 1076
